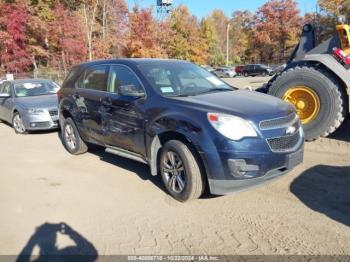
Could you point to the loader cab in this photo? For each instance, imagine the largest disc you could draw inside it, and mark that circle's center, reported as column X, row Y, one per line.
column 344, row 37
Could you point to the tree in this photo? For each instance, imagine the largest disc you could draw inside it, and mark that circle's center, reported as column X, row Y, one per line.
column 185, row 41
column 14, row 54
column 241, row 31
column 335, row 7
column 143, row 40
column 210, row 36
column 90, row 13
column 220, row 22
column 67, row 46
column 277, row 28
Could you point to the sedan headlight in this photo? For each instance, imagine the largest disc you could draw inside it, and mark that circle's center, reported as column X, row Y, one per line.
column 232, row 127
column 35, row 111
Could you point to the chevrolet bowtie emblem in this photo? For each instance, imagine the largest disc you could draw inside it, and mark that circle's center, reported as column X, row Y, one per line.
column 291, row 130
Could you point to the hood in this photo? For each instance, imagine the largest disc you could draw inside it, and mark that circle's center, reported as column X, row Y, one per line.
column 45, row 101
column 246, row 104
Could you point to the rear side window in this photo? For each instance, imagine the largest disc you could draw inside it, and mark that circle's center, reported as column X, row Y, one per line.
column 123, row 76
column 95, row 78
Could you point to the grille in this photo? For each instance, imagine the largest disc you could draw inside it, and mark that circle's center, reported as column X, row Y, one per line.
column 41, row 124
column 53, row 112
column 278, row 122
column 284, row 143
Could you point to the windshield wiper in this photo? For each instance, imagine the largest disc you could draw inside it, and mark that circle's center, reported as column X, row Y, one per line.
column 203, row 92
column 213, row 90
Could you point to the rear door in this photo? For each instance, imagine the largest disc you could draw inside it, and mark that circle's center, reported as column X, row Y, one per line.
column 123, row 116
column 90, row 92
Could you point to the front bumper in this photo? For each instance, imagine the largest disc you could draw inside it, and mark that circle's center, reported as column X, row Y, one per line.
column 237, row 166
column 257, row 174
column 45, row 121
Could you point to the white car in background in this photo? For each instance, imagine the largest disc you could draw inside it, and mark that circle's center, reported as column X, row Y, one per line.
column 225, row 72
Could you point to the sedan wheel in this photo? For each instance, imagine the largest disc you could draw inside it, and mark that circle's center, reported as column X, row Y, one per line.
column 18, row 124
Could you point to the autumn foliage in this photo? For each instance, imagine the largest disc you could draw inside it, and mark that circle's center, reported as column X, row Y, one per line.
column 38, row 35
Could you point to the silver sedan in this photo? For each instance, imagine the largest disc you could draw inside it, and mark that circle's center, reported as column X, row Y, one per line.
column 29, row 104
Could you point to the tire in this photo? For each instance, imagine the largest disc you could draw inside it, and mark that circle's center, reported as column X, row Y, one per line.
column 264, row 74
column 192, row 180
column 332, row 109
column 71, row 138
column 246, row 74
column 18, row 125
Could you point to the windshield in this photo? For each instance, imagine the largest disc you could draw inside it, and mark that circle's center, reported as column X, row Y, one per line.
column 181, row 79
column 35, row 89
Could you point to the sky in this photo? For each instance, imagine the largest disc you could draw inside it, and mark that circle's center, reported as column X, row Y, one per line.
column 201, row 8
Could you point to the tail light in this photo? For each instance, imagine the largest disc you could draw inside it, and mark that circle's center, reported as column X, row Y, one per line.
column 341, row 57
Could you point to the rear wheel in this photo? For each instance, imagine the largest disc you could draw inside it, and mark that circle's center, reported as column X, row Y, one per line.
column 317, row 96
column 71, row 138
column 180, row 172
column 18, row 125
column 246, row 74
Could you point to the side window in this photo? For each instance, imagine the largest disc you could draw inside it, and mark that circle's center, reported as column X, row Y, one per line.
column 5, row 88
column 95, row 78
column 121, row 76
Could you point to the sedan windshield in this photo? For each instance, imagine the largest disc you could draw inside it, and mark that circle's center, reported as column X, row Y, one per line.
column 181, row 79
column 34, row 89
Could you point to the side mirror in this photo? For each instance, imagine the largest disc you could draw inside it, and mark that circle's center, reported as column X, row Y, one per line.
column 4, row 95
column 131, row 90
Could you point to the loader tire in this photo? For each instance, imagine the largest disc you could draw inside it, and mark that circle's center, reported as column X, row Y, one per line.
column 318, row 87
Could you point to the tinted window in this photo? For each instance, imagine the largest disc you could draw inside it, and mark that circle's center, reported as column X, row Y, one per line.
column 123, row 76
column 96, row 78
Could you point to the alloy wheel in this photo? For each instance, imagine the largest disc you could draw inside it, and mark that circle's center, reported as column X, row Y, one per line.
column 18, row 124
column 70, row 137
column 174, row 172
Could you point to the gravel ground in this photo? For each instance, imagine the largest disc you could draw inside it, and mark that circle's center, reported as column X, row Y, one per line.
column 110, row 205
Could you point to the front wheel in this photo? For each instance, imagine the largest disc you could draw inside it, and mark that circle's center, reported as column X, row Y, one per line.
column 18, row 125
column 180, row 172
column 71, row 138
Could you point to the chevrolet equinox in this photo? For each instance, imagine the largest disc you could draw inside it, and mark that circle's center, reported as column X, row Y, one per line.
column 185, row 123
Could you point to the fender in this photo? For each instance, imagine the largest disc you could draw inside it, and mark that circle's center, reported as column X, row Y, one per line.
column 177, row 124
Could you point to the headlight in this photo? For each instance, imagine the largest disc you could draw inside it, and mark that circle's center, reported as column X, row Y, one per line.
column 232, row 127
column 35, row 111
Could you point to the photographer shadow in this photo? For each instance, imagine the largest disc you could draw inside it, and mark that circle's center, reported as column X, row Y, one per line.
column 45, row 238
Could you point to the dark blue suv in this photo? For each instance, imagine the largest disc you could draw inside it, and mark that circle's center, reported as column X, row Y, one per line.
column 186, row 124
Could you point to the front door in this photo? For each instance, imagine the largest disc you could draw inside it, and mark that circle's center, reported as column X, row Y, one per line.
column 122, row 115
